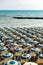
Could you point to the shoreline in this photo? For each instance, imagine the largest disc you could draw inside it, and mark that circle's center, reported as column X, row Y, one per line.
column 20, row 25
column 21, row 22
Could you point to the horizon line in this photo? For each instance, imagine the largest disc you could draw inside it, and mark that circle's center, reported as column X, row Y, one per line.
column 21, row 9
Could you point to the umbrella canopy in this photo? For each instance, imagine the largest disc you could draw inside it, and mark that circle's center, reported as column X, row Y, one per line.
column 27, row 44
column 40, row 45
column 25, row 56
column 18, row 49
column 41, row 55
column 27, row 39
column 35, row 50
column 33, row 42
column 13, row 44
column 9, row 40
column 12, row 62
column 4, row 37
column 38, row 39
column 8, row 55
column 1, row 44
column 3, row 49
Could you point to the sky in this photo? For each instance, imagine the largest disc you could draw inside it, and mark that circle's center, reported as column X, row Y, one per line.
column 21, row 4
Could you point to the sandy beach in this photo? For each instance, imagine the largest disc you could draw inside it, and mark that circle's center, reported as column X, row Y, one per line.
column 21, row 44
column 20, row 39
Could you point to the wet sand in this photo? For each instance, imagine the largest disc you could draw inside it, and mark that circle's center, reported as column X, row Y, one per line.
column 21, row 22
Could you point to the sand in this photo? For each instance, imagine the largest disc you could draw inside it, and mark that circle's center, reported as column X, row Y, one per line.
column 21, row 22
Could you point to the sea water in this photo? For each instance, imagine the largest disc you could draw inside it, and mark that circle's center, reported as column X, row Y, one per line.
column 6, row 18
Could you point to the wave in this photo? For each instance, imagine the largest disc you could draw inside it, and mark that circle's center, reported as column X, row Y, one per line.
column 4, row 16
column 28, row 17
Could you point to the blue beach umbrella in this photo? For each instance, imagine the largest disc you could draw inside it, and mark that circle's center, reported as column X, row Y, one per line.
column 8, row 55
column 33, row 42
column 1, row 44
column 18, row 49
column 27, row 44
column 38, row 39
column 4, row 37
column 41, row 56
column 35, row 50
column 13, row 44
column 41, row 37
column 27, row 39
column 40, row 45
column 25, row 56
column 3, row 49
column 12, row 62
column 9, row 40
